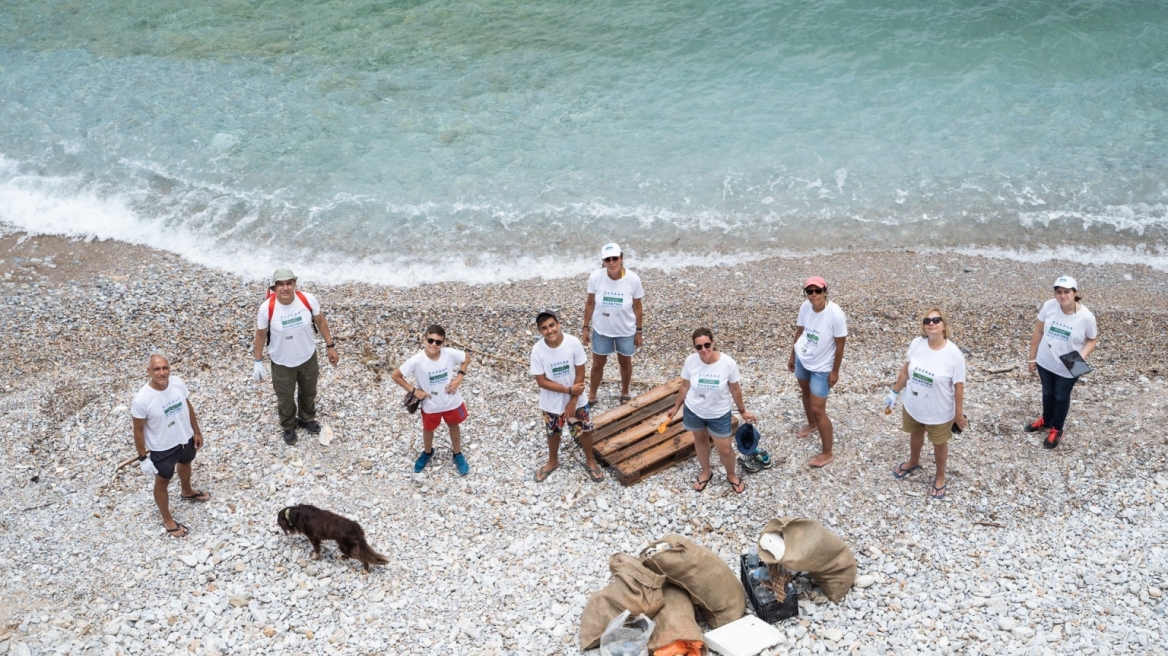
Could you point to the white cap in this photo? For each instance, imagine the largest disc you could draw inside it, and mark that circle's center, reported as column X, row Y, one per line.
column 1066, row 282
column 610, row 250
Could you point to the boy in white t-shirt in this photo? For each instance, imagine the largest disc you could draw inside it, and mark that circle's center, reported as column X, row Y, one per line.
column 557, row 362
column 816, row 357
column 166, row 434
column 439, row 372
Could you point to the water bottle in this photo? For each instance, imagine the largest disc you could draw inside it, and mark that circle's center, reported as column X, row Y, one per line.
column 752, row 557
column 763, row 594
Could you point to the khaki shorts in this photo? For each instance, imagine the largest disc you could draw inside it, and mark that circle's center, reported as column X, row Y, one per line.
column 938, row 433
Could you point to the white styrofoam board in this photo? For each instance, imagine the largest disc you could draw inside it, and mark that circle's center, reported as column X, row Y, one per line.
column 744, row 637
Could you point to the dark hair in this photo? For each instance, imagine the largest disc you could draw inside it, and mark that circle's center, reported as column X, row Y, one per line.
column 702, row 332
column 544, row 316
column 435, row 329
column 1077, row 297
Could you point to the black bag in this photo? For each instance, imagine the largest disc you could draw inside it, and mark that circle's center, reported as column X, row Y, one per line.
column 411, row 402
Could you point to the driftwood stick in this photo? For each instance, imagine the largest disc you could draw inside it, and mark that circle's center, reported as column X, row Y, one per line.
column 122, row 465
column 993, row 524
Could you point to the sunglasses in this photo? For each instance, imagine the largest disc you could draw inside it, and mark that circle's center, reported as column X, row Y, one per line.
column 435, row 342
column 812, row 290
column 703, row 346
column 611, row 259
column 931, row 320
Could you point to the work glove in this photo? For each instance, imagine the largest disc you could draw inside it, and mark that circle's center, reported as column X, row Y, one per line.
column 890, row 400
column 148, row 467
column 257, row 371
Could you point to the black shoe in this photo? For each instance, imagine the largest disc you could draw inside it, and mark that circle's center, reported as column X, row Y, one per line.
column 1038, row 425
column 1052, row 439
column 289, row 437
column 750, row 464
column 310, row 426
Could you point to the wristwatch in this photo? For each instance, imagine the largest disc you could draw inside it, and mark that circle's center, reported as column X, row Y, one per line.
column 143, row 457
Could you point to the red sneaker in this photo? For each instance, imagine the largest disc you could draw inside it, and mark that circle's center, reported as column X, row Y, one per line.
column 1038, row 425
column 1052, row 438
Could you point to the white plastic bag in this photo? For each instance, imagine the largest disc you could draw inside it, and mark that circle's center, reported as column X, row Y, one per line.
column 625, row 638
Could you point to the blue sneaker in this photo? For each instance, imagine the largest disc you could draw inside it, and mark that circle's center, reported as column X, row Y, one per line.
column 422, row 461
column 461, row 464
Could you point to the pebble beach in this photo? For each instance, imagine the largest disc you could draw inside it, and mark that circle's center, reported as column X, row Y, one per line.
column 1032, row 551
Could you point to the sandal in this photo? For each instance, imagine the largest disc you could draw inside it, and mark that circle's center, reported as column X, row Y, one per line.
column 625, row 399
column 700, row 484
column 174, row 532
column 738, row 487
column 541, row 475
column 939, row 492
column 900, row 472
column 199, row 496
column 594, row 475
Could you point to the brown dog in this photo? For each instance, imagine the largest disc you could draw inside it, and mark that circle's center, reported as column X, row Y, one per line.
column 317, row 524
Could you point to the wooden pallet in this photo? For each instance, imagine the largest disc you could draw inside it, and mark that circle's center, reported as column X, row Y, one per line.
column 626, row 438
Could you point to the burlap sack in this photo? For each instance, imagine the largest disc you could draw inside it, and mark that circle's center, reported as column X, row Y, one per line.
column 813, row 549
column 633, row 588
column 675, row 621
column 711, row 584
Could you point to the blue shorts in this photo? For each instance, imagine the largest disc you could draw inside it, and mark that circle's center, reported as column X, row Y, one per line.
column 819, row 384
column 719, row 428
column 605, row 345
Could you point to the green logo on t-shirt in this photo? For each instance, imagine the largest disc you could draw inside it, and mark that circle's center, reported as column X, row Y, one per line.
column 171, row 409
column 291, row 321
column 812, row 337
column 709, row 383
column 438, row 378
column 612, row 300
column 1059, row 332
column 560, row 369
column 921, row 379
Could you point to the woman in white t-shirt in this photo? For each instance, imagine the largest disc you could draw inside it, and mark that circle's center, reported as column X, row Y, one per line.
column 816, row 356
column 439, row 372
column 709, row 389
column 933, row 379
column 1063, row 325
column 612, row 319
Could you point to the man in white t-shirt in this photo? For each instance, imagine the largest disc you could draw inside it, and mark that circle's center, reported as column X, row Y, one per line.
column 288, row 316
column 613, row 319
column 816, row 357
column 166, row 432
column 557, row 362
column 439, row 372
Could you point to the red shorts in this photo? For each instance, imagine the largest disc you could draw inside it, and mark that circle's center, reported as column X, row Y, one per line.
column 451, row 417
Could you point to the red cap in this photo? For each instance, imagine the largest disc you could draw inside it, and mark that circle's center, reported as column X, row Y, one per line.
column 817, row 281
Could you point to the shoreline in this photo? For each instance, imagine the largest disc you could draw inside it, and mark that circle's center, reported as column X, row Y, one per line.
column 526, row 556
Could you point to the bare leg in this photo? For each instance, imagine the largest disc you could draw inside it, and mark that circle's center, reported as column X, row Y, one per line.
column 162, row 499
column 941, row 454
column 586, row 444
column 184, row 477
column 597, row 375
column 805, row 395
column 818, row 406
column 726, row 455
column 702, row 448
column 554, row 452
column 428, row 441
column 916, row 440
column 626, row 372
column 455, row 437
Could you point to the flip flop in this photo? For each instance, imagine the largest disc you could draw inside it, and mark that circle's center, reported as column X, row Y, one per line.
column 934, row 495
column 177, row 527
column 625, row 399
column 199, row 496
column 541, row 475
column 900, row 472
column 594, row 475
column 738, row 488
column 700, row 484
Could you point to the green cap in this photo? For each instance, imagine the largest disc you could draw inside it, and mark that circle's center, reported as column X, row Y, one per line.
column 283, row 274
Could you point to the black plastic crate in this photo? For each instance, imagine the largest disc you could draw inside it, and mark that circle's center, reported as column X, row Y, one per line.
column 774, row 611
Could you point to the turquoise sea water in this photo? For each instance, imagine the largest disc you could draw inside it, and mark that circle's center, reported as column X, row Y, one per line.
column 407, row 142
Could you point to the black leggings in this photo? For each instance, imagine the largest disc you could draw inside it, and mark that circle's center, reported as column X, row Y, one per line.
column 1056, row 398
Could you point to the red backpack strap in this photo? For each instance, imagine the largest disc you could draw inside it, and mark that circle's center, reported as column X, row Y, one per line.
column 304, row 300
column 271, row 309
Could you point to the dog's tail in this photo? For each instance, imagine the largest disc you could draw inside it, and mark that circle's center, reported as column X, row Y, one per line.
column 366, row 554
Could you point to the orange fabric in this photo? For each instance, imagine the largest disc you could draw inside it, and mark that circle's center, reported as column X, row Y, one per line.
column 681, row 648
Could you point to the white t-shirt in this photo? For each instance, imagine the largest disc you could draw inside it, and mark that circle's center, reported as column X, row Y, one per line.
column 929, row 394
column 168, row 419
column 709, row 385
column 292, row 342
column 1061, row 334
column 434, row 375
column 613, row 314
column 815, row 348
column 559, row 366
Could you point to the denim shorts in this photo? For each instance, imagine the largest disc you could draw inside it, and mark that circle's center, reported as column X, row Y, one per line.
column 605, row 345
column 719, row 428
column 819, row 384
